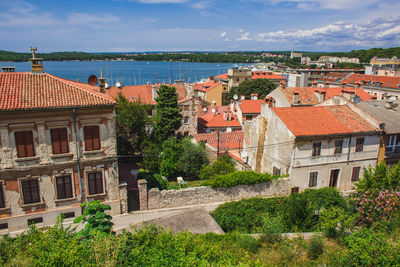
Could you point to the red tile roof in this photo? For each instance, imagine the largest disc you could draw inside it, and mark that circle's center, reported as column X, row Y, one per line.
column 204, row 87
column 217, row 121
column 383, row 81
column 143, row 92
column 26, row 91
column 251, row 106
column 227, row 141
column 323, row 120
column 334, row 76
column 267, row 75
column 222, row 76
column 307, row 94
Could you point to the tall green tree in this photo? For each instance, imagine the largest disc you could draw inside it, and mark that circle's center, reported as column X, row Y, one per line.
column 132, row 124
column 262, row 87
column 168, row 116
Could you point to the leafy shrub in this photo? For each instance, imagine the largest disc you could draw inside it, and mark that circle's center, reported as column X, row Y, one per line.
column 247, row 215
column 191, row 159
column 368, row 248
column 97, row 221
column 153, row 180
column 272, row 228
column 299, row 214
column 325, row 197
column 377, row 204
column 239, row 178
column 247, row 242
column 315, row 247
column 223, row 165
column 334, row 222
column 169, row 158
column 380, row 178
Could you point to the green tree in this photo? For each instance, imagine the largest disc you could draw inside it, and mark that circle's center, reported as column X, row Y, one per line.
column 168, row 116
column 169, row 157
column 191, row 159
column 223, row 165
column 97, row 221
column 262, row 87
column 132, row 124
column 380, row 177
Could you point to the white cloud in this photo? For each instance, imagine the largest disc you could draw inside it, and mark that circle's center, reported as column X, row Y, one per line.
column 244, row 37
column 326, row 4
column 222, row 34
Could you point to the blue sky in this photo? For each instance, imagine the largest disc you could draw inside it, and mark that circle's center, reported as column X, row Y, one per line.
column 217, row 25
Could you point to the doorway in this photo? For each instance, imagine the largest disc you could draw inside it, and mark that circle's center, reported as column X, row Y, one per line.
column 334, row 178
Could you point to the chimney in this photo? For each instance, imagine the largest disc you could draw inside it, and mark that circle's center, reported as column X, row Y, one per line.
column 229, row 115
column 343, row 85
column 254, row 96
column 283, row 84
column 270, row 101
column 295, row 99
column 179, row 83
column 37, row 63
column 154, row 92
column 211, row 78
column 314, row 84
column 327, row 84
column 225, row 115
column 242, row 97
column 102, row 83
column 323, row 96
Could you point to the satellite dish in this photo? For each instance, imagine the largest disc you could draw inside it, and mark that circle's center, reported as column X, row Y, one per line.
column 213, row 110
column 107, row 85
column 92, row 80
column 229, row 130
column 205, row 109
column 118, row 84
column 235, row 97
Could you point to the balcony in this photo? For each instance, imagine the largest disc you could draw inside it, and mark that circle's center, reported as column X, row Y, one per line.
column 329, row 159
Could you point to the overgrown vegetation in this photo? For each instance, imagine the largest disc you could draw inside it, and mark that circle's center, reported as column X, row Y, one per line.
column 262, row 87
column 239, row 178
column 223, row 165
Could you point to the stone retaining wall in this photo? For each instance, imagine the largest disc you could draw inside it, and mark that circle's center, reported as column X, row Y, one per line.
column 157, row 199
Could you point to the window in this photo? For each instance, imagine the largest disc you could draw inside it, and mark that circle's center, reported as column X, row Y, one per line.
column 390, row 140
column 356, row 174
column 359, row 144
column 249, row 117
column 24, row 144
column 313, row 179
column 2, row 197
column 92, row 138
column 316, row 151
column 237, row 79
column 30, row 191
column 338, row 147
column 95, row 183
column 59, row 140
column 64, row 187
column 276, row 171
column 186, row 120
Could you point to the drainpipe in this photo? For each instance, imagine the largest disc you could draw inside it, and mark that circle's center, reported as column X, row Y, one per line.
column 77, row 154
column 348, row 153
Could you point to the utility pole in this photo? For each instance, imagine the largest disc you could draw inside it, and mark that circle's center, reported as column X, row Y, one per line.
column 218, row 144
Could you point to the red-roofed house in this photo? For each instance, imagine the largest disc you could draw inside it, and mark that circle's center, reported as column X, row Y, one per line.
column 382, row 87
column 210, row 91
column 218, row 119
column 306, row 96
column 246, row 110
column 317, row 146
column 238, row 75
column 58, row 149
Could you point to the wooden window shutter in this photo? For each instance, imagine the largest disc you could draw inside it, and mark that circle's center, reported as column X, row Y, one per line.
column 99, row 183
column 96, row 138
column 19, row 141
column 88, row 138
column 30, row 149
column 55, row 141
column 92, row 183
column 60, row 188
column 2, row 199
column 26, row 192
column 35, row 190
column 68, row 186
column 64, row 140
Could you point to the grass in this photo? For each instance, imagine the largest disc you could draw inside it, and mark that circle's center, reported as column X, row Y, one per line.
column 175, row 185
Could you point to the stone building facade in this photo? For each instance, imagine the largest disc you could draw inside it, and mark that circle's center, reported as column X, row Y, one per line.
column 58, row 149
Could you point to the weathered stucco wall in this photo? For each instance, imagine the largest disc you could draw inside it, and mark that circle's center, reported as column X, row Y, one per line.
column 203, row 195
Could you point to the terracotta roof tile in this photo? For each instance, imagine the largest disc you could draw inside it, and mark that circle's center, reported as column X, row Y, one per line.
column 227, row 141
column 267, row 75
column 211, row 121
column 322, row 120
column 26, row 91
column 222, row 76
column 204, row 87
column 382, row 81
column 251, row 106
